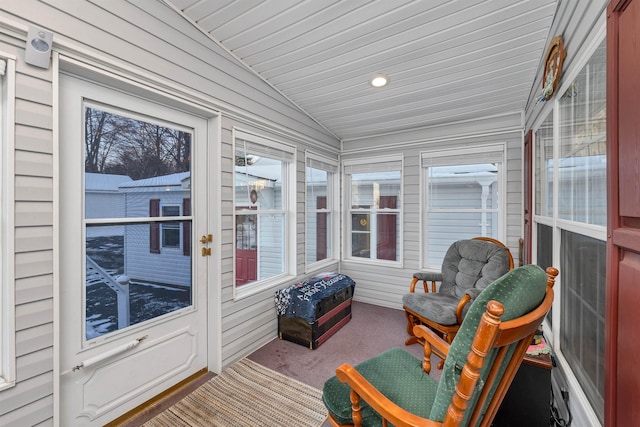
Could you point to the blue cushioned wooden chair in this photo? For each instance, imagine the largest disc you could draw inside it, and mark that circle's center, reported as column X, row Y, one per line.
column 480, row 364
column 467, row 269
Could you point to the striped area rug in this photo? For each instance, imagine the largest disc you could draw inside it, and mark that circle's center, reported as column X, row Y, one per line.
column 247, row 394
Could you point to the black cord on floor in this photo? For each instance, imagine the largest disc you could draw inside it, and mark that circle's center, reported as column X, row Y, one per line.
column 556, row 419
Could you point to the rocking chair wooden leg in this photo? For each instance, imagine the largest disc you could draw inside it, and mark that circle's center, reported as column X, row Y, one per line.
column 411, row 341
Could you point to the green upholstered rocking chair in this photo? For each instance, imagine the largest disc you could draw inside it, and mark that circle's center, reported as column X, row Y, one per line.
column 480, row 363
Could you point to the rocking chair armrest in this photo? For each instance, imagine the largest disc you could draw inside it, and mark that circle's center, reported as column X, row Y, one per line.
column 461, row 304
column 440, row 346
column 426, row 276
column 380, row 403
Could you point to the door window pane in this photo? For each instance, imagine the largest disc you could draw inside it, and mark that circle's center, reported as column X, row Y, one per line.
column 135, row 168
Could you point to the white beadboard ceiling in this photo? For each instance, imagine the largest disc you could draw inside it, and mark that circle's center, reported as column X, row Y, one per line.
column 447, row 60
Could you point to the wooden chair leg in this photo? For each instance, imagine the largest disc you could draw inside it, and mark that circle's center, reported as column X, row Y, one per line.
column 411, row 322
column 411, row 341
column 448, row 337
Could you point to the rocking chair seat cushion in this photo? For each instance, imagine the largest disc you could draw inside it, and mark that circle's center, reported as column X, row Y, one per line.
column 397, row 374
column 437, row 307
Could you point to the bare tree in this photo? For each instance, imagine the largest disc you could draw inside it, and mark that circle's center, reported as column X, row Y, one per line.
column 136, row 148
column 101, row 133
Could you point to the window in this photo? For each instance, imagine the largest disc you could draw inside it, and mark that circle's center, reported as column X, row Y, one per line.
column 571, row 214
column 374, row 223
column 264, row 198
column 462, row 199
column 7, row 285
column 321, row 189
column 544, row 168
column 171, row 230
column 582, row 199
column 582, row 145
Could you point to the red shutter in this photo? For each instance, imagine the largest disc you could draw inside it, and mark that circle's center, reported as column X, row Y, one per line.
column 154, row 227
column 387, row 231
column 321, row 229
column 186, row 227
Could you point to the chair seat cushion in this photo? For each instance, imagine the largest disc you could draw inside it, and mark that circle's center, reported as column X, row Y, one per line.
column 397, row 374
column 433, row 306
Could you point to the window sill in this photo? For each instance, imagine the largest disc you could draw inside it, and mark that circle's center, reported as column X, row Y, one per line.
column 377, row 262
column 320, row 265
column 6, row 384
column 244, row 291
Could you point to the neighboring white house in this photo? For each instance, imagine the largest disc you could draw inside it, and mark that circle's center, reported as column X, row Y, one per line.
column 103, row 199
column 158, row 252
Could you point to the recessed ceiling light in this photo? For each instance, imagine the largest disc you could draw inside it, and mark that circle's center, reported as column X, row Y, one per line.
column 379, row 80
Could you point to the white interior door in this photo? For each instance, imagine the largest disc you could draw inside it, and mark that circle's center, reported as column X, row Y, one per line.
column 133, row 208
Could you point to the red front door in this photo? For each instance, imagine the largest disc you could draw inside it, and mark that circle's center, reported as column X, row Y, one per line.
column 246, row 249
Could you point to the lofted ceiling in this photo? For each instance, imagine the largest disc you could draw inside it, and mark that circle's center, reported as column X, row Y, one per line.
column 446, row 60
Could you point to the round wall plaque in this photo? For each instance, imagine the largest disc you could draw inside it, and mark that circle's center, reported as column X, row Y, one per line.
column 553, row 67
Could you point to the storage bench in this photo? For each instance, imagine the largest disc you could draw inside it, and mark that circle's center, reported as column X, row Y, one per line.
column 312, row 311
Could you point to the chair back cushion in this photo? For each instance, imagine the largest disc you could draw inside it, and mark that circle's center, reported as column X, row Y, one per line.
column 520, row 291
column 472, row 264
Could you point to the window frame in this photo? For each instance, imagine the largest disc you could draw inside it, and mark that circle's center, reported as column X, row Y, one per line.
column 289, row 170
column 7, row 232
column 492, row 151
column 170, row 226
column 553, row 325
column 330, row 166
column 373, row 212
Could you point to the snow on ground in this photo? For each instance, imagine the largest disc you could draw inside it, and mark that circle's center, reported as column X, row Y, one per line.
column 147, row 300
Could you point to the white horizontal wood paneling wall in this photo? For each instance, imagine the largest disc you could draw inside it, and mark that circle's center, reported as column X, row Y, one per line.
column 385, row 286
column 151, row 40
column 30, row 402
column 250, row 322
